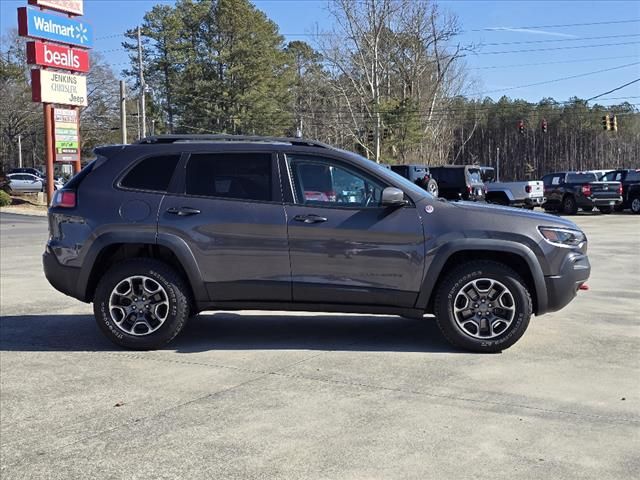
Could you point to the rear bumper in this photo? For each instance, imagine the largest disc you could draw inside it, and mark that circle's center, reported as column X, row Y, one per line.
column 562, row 288
column 64, row 279
column 598, row 202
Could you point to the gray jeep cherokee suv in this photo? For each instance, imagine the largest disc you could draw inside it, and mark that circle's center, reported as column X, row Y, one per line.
column 155, row 232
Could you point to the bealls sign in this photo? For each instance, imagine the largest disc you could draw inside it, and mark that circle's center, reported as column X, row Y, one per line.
column 57, row 56
column 47, row 26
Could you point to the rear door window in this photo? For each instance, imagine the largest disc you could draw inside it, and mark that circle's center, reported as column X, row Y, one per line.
column 152, row 173
column 246, row 176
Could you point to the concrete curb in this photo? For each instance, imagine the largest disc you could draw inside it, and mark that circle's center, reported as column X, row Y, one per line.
column 22, row 211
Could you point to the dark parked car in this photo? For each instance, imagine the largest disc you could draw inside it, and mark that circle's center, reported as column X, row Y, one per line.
column 566, row 192
column 626, row 178
column 418, row 174
column 155, row 232
column 459, row 182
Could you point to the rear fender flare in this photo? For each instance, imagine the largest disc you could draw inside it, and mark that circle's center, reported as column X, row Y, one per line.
column 178, row 246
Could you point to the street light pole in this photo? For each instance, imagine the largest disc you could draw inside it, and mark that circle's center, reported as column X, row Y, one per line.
column 143, row 122
column 20, row 151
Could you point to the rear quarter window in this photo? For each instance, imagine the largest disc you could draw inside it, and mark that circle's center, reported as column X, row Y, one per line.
column 152, row 173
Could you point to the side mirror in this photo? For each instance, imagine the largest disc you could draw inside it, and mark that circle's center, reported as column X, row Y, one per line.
column 393, row 197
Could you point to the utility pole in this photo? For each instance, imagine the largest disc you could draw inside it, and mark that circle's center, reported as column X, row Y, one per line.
column 123, row 112
column 497, row 164
column 143, row 121
column 20, row 151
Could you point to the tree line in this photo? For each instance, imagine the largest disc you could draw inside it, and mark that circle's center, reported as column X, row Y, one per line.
column 387, row 80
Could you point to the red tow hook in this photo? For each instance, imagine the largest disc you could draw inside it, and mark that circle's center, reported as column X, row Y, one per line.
column 583, row 286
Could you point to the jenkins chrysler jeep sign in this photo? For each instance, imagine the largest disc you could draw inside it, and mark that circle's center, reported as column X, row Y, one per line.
column 62, row 88
column 55, row 28
column 57, row 56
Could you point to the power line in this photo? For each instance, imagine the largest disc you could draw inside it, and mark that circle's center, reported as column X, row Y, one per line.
column 559, row 79
column 579, row 39
column 561, row 62
column 558, row 48
column 615, row 89
column 533, row 27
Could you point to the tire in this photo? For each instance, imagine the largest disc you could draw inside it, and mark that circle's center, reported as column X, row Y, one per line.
column 587, row 209
column 432, row 187
column 569, row 205
column 605, row 210
column 619, row 208
column 500, row 278
column 635, row 205
column 167, row 305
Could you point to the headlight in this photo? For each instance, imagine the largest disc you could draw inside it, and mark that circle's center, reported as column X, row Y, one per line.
column 563, row 237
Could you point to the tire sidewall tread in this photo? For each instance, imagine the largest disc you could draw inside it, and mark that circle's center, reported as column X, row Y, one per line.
column 179, row 304
column 450, row 287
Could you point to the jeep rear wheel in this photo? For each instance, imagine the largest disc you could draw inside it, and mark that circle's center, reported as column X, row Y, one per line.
column 432, row 187
column 635, row 205
column 483, row 306
column 605, row 210
column 141, row 304
column 569, row 205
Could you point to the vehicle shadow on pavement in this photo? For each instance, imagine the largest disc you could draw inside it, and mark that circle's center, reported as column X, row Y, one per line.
column 230, row 331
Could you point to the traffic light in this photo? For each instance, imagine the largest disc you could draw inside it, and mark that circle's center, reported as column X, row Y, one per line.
column 613, row 123
column 605, row 122
column 544, row 126
column 370, row 136
column 521, row 127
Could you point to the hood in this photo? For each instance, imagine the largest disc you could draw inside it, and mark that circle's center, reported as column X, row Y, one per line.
column 520, row 213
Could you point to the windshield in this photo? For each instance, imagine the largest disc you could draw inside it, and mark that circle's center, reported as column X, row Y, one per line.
column 473, row 174
column 581, row 177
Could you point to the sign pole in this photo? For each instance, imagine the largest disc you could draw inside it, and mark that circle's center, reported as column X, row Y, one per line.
column 48, row 142
column 77, row 164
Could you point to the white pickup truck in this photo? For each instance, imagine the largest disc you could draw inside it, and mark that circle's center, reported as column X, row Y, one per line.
column 516, row 194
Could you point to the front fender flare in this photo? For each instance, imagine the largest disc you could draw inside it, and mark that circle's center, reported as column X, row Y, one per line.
column 442, row 253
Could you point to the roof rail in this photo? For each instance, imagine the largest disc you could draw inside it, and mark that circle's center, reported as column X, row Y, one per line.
column 160, row 139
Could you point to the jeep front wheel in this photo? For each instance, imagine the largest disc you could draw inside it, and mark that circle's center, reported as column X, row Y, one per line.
column 483, row 306
column 141, row 304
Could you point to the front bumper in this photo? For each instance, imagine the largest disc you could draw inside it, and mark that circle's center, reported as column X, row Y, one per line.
column 62, row 278
column 562, row 288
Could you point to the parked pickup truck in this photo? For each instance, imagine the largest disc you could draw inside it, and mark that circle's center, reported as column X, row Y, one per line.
column 628, row 178
column 516, row 194
column 566, row 192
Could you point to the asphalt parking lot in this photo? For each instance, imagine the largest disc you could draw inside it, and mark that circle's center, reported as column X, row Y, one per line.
column 305, row 396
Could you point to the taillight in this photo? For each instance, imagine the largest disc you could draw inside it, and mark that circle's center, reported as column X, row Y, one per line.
column 586, row 190
column 64, row 199
column 620, row 189
column 469, row 189
column 527, row 189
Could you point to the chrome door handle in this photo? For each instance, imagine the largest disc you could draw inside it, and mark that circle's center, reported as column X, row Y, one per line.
column 311, row 218
column 183, row 211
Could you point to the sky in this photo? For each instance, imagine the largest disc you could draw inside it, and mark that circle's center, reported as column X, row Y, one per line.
column 516, row 27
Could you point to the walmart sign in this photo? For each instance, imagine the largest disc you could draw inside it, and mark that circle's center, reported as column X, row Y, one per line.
column 48, row 26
